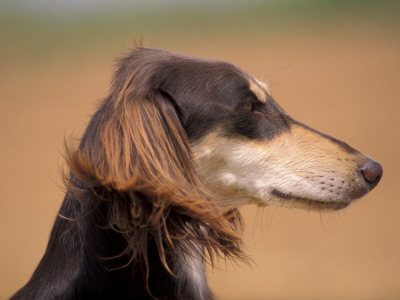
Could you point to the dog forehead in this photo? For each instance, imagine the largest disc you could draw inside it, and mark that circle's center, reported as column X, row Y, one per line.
column 230, row 81
column 198, row 81
column 213, row 81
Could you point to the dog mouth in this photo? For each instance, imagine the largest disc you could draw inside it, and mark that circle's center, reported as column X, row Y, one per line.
column 301, row 202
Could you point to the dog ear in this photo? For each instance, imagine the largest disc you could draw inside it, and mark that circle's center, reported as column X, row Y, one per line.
column 136, row 149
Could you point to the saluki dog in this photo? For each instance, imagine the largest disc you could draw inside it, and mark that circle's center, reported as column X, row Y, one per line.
column 154, row 186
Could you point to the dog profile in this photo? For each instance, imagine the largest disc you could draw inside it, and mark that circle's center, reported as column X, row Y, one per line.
column 155, row 184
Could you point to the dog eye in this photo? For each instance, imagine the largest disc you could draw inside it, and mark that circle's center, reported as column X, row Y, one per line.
column 249, row 106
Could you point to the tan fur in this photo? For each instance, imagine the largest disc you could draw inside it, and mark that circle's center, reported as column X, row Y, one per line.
column 259, row 89
column 316, row 172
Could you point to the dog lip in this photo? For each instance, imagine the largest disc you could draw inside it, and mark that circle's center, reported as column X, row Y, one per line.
column 279, row 194
column 310, row 203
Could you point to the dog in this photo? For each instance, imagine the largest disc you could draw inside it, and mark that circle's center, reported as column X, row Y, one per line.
column 155, row 184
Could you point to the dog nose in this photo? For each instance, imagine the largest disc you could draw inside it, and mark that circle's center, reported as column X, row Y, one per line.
column 372, row 172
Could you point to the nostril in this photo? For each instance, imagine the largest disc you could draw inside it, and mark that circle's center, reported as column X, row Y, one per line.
column 372, row 172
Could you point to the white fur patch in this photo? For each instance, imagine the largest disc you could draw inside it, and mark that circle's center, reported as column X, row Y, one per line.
column 192, row 266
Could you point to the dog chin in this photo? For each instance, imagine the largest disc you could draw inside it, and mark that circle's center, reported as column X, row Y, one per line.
column 293, row 201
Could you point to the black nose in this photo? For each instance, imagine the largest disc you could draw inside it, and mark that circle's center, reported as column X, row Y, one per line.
column 372, row 172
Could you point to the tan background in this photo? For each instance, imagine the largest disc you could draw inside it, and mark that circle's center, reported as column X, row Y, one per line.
column 335, row 71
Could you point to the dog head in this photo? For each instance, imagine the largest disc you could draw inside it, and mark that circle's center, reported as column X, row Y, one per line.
column 248, row 150
column 167, row 111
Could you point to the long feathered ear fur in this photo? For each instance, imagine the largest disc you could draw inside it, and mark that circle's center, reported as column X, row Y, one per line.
column 135, row 155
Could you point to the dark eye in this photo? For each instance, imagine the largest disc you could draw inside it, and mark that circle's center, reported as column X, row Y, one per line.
column 249, row 106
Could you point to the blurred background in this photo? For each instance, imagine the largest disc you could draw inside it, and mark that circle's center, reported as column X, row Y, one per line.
column 332, row 64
